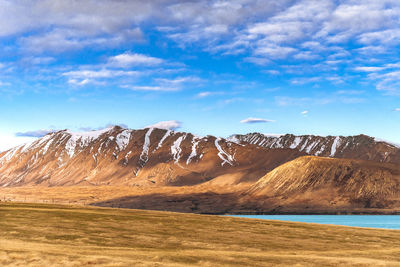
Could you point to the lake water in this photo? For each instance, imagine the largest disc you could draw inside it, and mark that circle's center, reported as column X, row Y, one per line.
column 375, row 221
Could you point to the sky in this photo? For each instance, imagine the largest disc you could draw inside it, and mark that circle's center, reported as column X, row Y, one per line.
column 207, row 67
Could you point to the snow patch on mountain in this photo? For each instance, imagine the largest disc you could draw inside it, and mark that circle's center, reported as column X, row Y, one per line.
column 122, row 139
column 234, row 139
column 84, row 138
column 48, row 144
column 328, row 146
column 10, row 154
column 146, row 145
column 167, row 133
column 195, row 142
column 176, row 149
column 296, row 142
column 225, row 157
column 335, row 145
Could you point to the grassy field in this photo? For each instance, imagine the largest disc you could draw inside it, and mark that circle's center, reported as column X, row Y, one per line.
column 55, row 235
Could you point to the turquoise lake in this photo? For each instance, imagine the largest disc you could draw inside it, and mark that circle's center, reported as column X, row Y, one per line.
column 374, row 221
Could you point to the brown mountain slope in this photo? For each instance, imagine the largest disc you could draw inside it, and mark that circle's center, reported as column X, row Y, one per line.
column 307, row 184
column 147, row 157
column 315, row 183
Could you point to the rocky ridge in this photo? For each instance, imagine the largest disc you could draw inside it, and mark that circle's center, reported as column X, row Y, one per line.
column 145, row 157
column 354, row 147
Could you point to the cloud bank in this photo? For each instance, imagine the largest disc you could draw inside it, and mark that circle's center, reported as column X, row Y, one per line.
column 321, row 37
column 167, row 125
column 36, row 133
column 255, row 120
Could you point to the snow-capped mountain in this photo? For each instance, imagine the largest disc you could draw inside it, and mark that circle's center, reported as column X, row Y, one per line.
column 244, row 173
column 157, row 157
column 149, row 156
column 355, row 147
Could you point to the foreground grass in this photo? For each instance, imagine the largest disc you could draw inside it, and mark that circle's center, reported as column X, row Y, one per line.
column 54, row 235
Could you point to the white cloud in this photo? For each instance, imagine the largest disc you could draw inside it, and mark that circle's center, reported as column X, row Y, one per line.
column 351, row 18
column 262, row 61
column 164, row 84
column 273, row 72
column 128, row 59
column 214, row 20
column 58, row 40
column 350, row 92
column 37, row 133
column 38, row 60
column 391, row 36
column 306, row 55
column 335, row 79
column 167, row 125
column 264, row 32
column 304, row 80
column 74, row 24
column 388, row 82
column 305, row 112
column 79, row 83
column 207, row 94
column 279, row 32
column 108, row 125
column 103, row 73
column 308, row 101
column 9, row 141
column 179, row 80
column 292, row 101
column 341, row 53
column 368, row 69
column 372, row 50
column 203, row 94
column 255, row 120
column 274, row 51
column 150, row 88
column 392, row 65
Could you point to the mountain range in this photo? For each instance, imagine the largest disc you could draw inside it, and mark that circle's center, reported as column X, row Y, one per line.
column 252, row 173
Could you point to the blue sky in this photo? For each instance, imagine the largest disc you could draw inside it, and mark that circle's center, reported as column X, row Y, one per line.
column 209, row 67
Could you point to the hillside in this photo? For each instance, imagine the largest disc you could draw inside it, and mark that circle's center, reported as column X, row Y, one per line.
column 306, row 184
column 327, row 184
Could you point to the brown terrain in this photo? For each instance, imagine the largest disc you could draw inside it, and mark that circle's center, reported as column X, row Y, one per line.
column 328, row 185
column 167, row 170
column 63, row 235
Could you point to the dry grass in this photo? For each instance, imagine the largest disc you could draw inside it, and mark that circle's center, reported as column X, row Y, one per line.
column 90, row 194
column 55, row 235
column 68, row 194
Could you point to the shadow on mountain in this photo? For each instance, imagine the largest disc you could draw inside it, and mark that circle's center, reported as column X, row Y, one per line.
column 232, row 203
column 206, row 203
